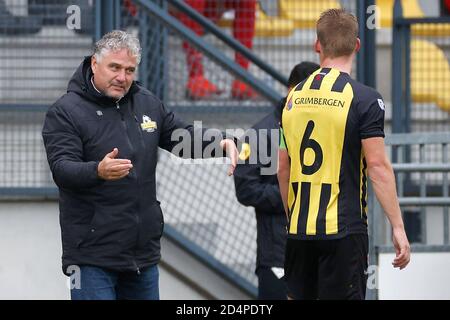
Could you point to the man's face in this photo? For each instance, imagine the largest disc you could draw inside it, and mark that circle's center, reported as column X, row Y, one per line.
column 114, row 73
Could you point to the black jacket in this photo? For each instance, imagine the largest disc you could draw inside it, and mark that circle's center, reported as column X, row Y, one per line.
column 262, row 193
column 111, row 224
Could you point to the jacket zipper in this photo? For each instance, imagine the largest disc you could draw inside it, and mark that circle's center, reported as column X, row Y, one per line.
column 137, row 181
column 118, row 110
column 138, row 271
column 140, row 131
column 124, row 124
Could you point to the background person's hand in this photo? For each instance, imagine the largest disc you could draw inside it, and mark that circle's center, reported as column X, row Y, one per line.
column 232, row 152
column 402, row 249
column 113, row 169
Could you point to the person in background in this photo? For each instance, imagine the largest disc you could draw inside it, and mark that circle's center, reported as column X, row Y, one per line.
column 261, row 191
column 445, row 7
column 198, row 86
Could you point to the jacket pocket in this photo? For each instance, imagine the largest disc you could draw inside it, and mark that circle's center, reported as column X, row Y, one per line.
column 86, row 233
column 152, row 225
column 108, row 228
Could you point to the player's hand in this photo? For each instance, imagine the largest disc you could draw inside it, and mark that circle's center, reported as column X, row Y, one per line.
column 111, row 168
column 402, row 249
column 232, row 152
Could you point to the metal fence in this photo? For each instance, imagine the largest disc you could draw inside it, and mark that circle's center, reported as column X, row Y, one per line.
column 420, row 106
column 420, row 73
column 423, row 190
column 21, row 150
column 38, row 52
column 198, row 200
column 283, row 36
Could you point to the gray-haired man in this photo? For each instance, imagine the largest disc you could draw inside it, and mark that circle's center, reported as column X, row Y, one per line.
column 101, row 139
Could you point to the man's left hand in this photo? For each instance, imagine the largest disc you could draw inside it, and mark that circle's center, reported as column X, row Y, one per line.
column 232, row 152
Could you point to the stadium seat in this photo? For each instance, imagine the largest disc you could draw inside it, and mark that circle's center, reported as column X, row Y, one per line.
column 267, row 26
column 430, row 74
column 431, row 29
column 411, row 9
column 306, row 12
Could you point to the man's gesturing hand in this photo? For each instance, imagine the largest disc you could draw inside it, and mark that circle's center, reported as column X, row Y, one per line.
column 113, row 169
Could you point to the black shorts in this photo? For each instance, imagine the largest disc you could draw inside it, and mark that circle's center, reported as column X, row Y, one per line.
column 327, row 269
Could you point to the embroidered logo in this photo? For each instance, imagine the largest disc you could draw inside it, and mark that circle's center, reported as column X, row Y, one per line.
column 381, row 104
column 147, row 124
column 289, row 104
column 245, row 152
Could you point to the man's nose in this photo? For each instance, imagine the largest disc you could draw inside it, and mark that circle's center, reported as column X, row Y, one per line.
column 121, row 76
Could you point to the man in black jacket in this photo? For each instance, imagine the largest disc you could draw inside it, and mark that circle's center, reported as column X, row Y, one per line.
column 257, row 189
column 102, row 139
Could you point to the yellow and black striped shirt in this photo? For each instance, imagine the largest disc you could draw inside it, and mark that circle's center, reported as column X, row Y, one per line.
column 323, row 122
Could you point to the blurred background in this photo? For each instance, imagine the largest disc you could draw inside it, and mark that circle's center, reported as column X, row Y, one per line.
column 224, row 63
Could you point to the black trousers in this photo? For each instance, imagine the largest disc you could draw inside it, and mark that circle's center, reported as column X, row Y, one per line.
column 269, row 286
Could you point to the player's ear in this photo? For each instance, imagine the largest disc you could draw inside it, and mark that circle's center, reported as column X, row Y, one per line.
column 317, row 47
column 93, row 63
column 358, row 45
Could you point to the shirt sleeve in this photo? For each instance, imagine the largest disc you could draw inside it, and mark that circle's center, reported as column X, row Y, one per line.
column 372, row 118
column 282, row 142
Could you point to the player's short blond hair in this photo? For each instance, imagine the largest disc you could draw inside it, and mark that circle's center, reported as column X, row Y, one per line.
column 337, row 32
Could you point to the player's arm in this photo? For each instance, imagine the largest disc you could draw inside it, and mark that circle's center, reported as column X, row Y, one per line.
column 383, row 181
column 283, row 172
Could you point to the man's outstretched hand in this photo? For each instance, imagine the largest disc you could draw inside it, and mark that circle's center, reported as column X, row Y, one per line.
column 111, row 168
column 232, row 152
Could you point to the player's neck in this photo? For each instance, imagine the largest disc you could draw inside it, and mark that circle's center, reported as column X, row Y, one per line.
column 343, row 64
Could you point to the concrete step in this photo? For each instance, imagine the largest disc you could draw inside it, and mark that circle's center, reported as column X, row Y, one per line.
column 37, row 68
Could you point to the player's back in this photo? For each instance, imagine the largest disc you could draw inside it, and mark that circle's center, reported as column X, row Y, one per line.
column 324, row 120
